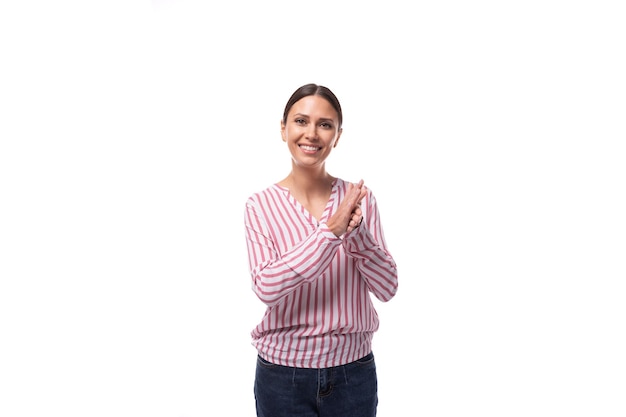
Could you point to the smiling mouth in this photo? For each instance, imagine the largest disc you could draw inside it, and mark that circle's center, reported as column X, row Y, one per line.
column 309, row 148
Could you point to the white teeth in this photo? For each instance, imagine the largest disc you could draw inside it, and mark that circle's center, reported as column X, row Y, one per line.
column 309, row 148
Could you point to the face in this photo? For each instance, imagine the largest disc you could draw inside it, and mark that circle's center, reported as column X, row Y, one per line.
column 311, row 130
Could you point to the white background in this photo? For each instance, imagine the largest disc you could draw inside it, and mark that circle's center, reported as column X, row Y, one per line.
column 491, row 133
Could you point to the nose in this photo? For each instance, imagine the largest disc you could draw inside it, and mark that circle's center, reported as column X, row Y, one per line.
column 311, row 131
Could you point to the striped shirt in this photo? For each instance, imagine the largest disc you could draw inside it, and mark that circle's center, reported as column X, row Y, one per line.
column 316, row 285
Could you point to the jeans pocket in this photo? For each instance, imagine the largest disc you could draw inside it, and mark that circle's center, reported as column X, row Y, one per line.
column 366, row 360
column 266, row 364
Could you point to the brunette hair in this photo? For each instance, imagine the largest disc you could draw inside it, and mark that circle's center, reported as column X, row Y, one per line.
column 314, row 90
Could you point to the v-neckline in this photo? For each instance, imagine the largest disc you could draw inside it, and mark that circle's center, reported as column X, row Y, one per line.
column 303, row 210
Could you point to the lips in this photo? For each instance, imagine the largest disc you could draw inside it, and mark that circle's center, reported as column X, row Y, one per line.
column 309, row 148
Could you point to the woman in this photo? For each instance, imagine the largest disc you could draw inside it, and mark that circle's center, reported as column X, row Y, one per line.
column 316, row 252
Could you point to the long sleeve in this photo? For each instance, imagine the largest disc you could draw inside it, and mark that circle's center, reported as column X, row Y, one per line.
column 374, row 262
column 275, row 274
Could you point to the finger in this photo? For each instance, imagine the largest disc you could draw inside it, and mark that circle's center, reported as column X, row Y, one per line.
column 359, row 191
column 363, row 193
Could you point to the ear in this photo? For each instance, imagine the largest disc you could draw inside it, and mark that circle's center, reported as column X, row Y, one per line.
column 337, row 138
column 282, row 131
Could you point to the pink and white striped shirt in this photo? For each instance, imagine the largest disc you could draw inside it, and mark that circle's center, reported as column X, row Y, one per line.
column 316, row 285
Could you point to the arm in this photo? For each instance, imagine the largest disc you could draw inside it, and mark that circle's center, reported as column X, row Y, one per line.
column 275, row 275
column 367, row 244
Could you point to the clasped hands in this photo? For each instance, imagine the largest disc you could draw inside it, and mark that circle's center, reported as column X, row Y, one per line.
column 348, row 215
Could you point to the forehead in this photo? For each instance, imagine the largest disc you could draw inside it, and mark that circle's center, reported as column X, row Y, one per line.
column 314, row 106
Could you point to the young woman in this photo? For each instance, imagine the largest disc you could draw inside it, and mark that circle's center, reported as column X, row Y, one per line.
column 316, row 253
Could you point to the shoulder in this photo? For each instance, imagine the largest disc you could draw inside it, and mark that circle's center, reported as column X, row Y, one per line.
column 270, row 193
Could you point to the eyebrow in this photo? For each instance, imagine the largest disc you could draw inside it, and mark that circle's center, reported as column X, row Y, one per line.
column 324, row 119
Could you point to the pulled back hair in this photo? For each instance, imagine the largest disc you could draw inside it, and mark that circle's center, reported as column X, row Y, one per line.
column 314, row 90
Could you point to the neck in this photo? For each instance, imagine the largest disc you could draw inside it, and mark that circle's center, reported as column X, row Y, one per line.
column 308, row 181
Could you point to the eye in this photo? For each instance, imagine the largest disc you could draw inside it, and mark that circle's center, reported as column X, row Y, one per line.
column 326, row 125
column 300, row 121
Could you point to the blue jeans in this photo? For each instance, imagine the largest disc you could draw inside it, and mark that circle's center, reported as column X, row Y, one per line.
column 342, row 391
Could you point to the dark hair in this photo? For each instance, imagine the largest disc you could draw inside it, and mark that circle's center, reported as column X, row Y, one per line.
column 314, row 90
